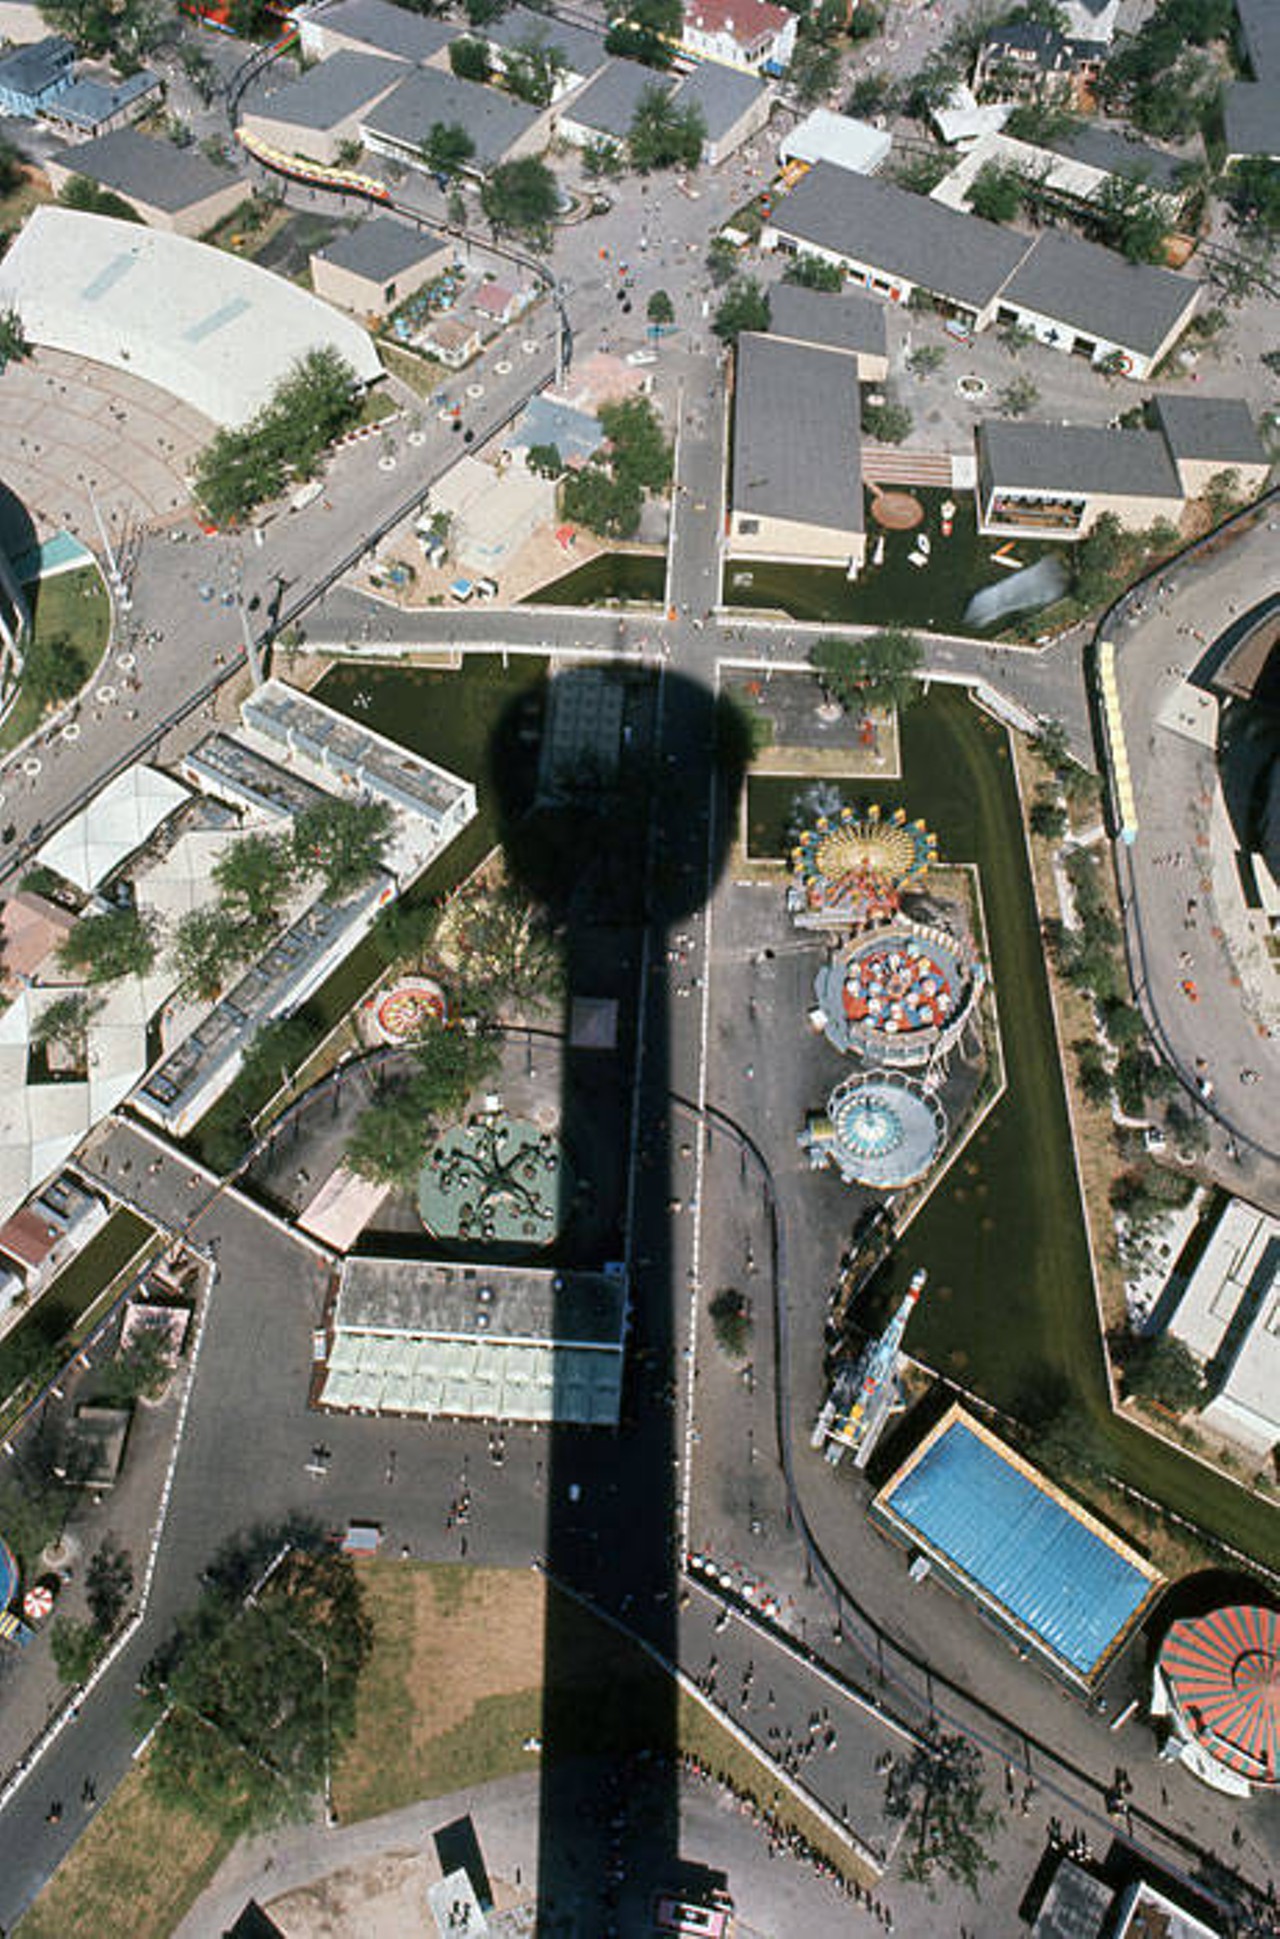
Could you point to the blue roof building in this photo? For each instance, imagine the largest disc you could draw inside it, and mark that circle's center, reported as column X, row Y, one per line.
column 1033, row 1559
column 31, row 77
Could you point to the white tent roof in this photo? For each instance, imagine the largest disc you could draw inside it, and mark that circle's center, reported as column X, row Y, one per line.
column 116, row 822
column 824, row 136
column 206, row 326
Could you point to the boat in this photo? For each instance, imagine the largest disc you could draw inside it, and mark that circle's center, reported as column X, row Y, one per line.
column 877, row 556
column 924, row 544
column 917, row 559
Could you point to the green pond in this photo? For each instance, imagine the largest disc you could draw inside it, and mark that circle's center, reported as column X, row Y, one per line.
column 631, row 576
column 932, row 596
column 1010, row 1296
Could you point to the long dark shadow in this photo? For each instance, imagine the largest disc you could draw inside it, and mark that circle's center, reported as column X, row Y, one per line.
column 605, row 821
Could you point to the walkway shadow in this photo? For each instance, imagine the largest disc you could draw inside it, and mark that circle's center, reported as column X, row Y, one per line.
column 604, row 819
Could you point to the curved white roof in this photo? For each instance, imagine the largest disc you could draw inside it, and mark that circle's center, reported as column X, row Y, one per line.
column 202, row 324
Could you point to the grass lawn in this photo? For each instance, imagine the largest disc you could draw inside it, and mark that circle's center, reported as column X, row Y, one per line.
column 73, row 606
column 629, row 576
column 450, row 1694
column 895, row 593
column 17, row 206
column 56, row 1316
column 1010, row 1295
column 136, row 1869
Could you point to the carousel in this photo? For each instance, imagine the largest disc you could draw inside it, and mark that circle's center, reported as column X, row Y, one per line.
column 900, row 996
column 497, row 1179
column 851, row 870
column 883, row 1131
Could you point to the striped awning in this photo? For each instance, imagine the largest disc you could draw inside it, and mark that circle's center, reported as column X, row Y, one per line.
column 1223, row 1671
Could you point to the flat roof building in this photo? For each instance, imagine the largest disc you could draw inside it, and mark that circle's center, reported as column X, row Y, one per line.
column 314, row 115
column 734, row 106
column 372, row 27
column 1035, row 1561
column 206, row 326
column 796, row 477
column 500, row 127
column 1208, row 435
column 116, row 823
column 1055, row 481
column 379, row 264
column 477, row 1342
column 1080, row 297
column 171, row 188
column 833, row 320
column 581, row 50
column 895, row 242
column 606, row 107
column 1229, row 1318
column 824, row 136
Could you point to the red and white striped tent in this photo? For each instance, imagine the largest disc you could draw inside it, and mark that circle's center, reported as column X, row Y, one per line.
column 1223, row 1674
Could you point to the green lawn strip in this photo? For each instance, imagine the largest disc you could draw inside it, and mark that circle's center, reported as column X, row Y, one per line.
column 75, row 606
column 57, row 1315
column 636, row 577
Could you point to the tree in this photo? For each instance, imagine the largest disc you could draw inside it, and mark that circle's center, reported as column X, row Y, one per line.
column 996, row 192
column 450, row 1064
column 890, row 423
column 937, row 1790
column 128, row 30
column 545, row 460
column 107, row 1584
column 446, row 149
column 141, row 1372
column 533, row 68
column 608, row 506
column 660, row 309
column 1052, row 745
column 878, row 671
column 78, row 192
column 1018, row 397
column 870, row 95
column 469, row 59
column 278, row 1050
column 15, row 346
column 1222, row 495
column 522, row 197
column 731, row 1322
column 54, row 669
column 106, row 947
column 647, row 32
column 1048, row 817
column 1098, row 560
column 254, row 878
column 209, row 946
column 13, row 171
column 744, row 306
column 1162, row 1369
column 812, row 273
column 1092, row 1072
column 603, row 157
column 510, row 951
column 722, row 260
column 256, row 1693
column 388, row 1140
column 865, row 21
column 813, row 71
column 311, row 405
column 933, row 86
column 926, row 359
column 481, row 13
column 65, row 1022
column 1252, row 193
column 344, row 842
column 1130, row 218
column 234, row 472
column 75, row 1647
column 664, row 135
column 1040, row 122
column 639, row 451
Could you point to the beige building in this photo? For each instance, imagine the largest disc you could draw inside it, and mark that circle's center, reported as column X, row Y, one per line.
column 1052, row 481
column 833, row 320
column 314, row 116
column 171, row 188
column 1209, row 435
column 795, row 489
column 378, row 265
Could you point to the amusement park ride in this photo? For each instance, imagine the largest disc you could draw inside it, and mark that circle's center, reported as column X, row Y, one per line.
column 866, row 1391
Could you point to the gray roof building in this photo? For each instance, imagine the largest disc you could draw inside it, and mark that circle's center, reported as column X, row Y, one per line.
column 1097, row 292
column 1251, row 119
column 428, row 96
column 31, row 73
column 382, row 248
column 90, row 104
column 1083, row 458
column 607, row 105
column 865, row 220
column 1218, row 430
column 141, row 169
column 723, row 94
column 797, row 434
column 388, row 29
column 843, row 321
column 1119, row 154
column 1259, row 22
column 582, row 50
column 331, row 91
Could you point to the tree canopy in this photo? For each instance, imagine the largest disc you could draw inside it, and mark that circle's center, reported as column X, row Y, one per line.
column 663, row 134
column 312, row 404
column 469, row 59
column 344, row 842
column 103, row 948
column 744, row 306
column 521, row 197
column 533, row 68
column 209, row 946
column 937, row 1789
column 257, row 1692
column 881, row 670
column 447, row 148
column 254, row 877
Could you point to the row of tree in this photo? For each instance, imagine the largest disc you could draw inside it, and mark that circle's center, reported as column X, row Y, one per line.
column 243, row 467
column 607, row 494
